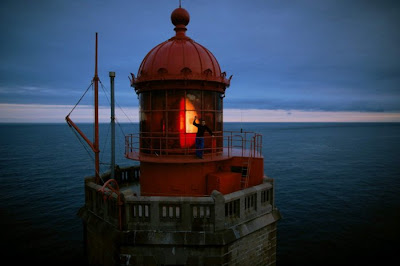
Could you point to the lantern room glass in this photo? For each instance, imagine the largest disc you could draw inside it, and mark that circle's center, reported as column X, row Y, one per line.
column 166, row 120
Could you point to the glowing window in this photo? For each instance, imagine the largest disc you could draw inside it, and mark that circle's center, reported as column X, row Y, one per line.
column 186, row 128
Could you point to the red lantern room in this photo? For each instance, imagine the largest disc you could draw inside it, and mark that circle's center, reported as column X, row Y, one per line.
column 177, row 81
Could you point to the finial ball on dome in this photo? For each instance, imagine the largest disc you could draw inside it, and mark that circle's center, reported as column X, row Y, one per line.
column 180, row 17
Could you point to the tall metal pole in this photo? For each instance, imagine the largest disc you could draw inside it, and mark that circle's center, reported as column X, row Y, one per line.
column 96, row 120
column 112, row 76
column 95, row 145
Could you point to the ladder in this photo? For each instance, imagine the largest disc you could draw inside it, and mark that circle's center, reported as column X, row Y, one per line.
column 246, row 166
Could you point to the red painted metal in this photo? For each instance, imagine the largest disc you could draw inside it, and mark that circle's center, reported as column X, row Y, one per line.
column 69, row 121
column 224, row 182
column 176, row 81
column 110, row 187
column 179, row 58
column 234, row 144
column 93, row 145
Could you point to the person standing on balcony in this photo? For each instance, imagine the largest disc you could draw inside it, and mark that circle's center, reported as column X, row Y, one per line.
column 201, row 128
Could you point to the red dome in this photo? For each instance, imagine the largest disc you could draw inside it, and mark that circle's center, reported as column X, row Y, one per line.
column 180, row 58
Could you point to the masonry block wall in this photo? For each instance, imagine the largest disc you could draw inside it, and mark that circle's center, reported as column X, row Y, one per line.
column 256, row 248
column 235, row 229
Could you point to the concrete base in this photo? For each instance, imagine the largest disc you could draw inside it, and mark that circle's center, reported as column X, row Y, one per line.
column 233, row 229
column 250, row 243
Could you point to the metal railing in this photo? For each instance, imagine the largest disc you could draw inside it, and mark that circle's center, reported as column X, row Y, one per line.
column 229, row 143
column 123, row 175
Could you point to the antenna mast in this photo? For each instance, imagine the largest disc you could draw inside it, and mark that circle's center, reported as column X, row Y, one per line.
column 112, row 76
column 94, row 146
column 96, row 119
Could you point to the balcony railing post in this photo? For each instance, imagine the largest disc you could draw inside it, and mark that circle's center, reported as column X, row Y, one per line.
column 154, row 213
column 131, row 142
column 126, row 145
column 219, row 210
column 186, row 213
column 229, row 146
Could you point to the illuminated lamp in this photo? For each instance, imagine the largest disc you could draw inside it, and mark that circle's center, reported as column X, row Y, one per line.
column 187, row 131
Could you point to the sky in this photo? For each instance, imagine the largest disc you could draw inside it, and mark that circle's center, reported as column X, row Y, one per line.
column 291, row 61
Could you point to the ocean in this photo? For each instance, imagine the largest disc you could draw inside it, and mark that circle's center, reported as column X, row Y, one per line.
column 337, row 186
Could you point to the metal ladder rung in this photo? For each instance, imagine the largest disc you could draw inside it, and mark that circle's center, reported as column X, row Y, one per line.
column 245, row 173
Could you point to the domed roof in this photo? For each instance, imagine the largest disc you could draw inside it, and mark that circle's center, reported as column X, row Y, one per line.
column 180, row 58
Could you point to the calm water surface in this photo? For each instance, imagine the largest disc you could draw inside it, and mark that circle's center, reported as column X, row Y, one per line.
column 337, row 187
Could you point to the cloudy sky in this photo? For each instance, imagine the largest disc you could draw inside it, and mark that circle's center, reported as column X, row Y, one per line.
column 291, row 60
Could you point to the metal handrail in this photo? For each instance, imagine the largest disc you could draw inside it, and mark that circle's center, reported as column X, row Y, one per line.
column 243, row 142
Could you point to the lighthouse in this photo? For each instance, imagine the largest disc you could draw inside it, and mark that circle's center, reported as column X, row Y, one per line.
column 203, row 197
column 180, row 80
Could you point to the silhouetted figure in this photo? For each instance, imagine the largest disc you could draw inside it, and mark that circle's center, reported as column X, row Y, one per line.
column 201, row 128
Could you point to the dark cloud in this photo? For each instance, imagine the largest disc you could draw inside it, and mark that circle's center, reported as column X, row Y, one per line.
column 343, row 55
column 310, row 104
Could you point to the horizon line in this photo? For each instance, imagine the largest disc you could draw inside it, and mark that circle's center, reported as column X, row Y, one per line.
column 42, row 113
